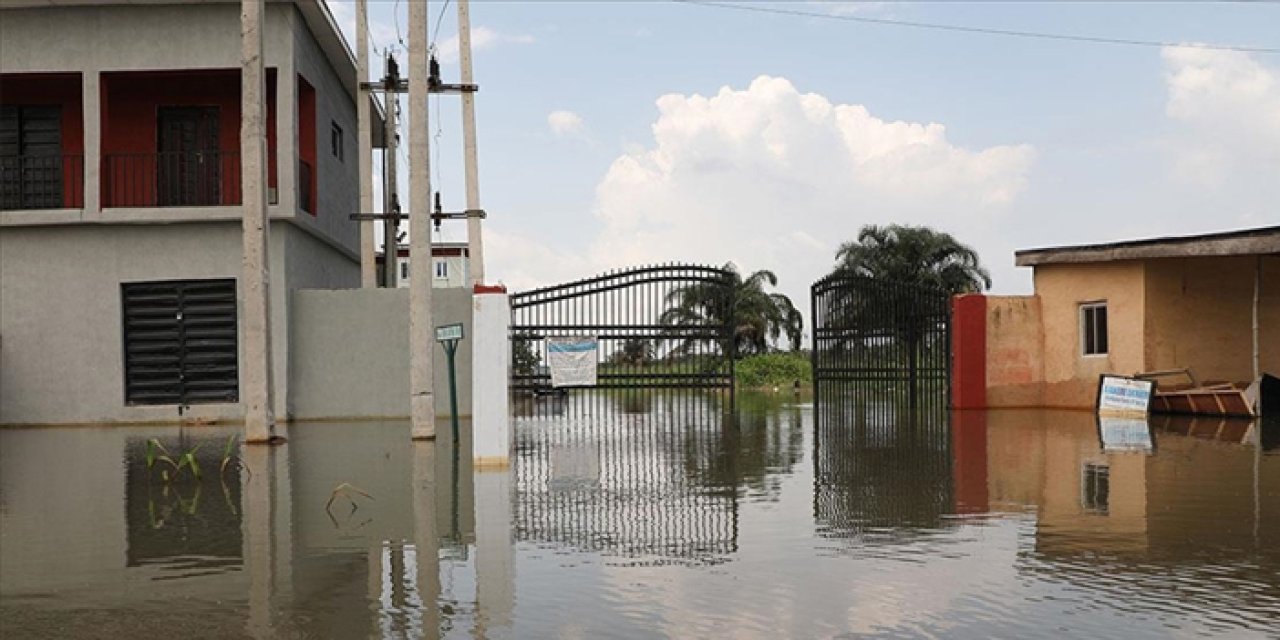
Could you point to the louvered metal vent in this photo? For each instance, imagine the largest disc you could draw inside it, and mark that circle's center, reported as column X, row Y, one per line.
column 180, row 342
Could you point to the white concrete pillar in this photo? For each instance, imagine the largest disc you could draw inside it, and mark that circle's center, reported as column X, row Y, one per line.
column 471, row 168
column 91, row 102
column 490, row 375
column 421, row 332
column 255, row 317
column 364, row 140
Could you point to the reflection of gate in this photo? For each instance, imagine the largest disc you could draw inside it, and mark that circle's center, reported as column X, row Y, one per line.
column 657, row 327
column 883, row 338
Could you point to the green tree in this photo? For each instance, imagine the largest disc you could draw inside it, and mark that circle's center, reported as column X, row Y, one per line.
column 755, row 315
column 635, row 351
column 913, row 255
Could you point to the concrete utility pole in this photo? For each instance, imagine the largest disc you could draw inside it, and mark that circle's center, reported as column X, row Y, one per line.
column 390, row 201
column 475, row 241
column 421, row 332
column 255, row 371
column 364, row 140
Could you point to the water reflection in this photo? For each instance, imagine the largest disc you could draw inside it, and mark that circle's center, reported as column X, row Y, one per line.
column 655, row 515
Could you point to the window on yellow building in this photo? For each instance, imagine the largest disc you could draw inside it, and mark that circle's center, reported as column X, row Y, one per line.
column 1093, row 328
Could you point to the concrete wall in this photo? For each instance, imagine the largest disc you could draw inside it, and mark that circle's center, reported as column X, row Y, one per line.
column 1071, row 378
column 350, row 353
column 1200, row 315
column 60, row 325
column 1015, row 352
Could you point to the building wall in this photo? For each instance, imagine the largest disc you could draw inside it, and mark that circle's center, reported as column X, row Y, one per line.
column 1200, row 315
column 337, row 186
column 60, row 326
column 1015, row 352
column 350, row 353
column 1071, row 379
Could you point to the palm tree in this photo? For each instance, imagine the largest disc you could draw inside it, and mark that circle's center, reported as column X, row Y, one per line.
column 913, row 255
column 755, row 315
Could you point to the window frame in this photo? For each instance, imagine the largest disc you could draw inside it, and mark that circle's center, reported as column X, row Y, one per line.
column 1087, row 315
column 337, row 141
column 442, row 269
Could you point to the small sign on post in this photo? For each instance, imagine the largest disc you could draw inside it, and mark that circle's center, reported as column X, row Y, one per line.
column 449, row 335
column 1123, row 405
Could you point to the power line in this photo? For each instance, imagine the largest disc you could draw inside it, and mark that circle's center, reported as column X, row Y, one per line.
column 439, row 19
column 981, row 30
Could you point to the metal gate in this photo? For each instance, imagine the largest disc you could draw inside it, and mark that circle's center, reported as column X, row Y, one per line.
column 882, row 339
column 660, row 327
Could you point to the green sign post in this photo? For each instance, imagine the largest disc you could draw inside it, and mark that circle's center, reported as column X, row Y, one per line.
column 449, row 336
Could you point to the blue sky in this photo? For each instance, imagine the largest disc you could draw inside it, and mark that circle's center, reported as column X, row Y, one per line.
column 780, row 136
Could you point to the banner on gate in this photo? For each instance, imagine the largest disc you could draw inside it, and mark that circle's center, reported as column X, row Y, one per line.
column 572, row 361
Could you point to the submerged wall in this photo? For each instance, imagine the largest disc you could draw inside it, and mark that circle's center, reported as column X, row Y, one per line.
column 349, row 353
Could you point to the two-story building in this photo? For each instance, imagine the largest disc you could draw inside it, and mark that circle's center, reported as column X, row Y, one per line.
column 120, row 224
column 450, row 265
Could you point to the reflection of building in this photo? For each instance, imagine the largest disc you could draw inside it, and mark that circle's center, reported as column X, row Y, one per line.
column 120, row 165
column 1198, row 504
column 450, row 265
column 626, row 484
column 1147, row 305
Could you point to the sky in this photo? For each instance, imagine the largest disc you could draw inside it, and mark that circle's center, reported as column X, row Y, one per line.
column 617, row 134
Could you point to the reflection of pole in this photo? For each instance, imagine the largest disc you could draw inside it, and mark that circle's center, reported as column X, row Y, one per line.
column 265, row 509
column 425, row 534
column 495, row 558
column 475, row 244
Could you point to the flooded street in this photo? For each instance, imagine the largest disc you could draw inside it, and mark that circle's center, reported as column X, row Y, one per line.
column 650, row 516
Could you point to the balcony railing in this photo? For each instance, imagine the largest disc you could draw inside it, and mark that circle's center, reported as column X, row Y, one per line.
column 41, row 182
column 305, row 178
column 171, row 179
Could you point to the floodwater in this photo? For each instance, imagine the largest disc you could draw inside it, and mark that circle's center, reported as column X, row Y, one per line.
column 653, row 516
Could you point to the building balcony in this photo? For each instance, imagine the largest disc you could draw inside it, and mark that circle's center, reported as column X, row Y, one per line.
column 208, row 178
column 41, row 182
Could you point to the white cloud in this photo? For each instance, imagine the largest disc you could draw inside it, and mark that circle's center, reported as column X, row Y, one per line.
column 482, row 38
column 1227, row 106
column 565, row 123
column 772, row 178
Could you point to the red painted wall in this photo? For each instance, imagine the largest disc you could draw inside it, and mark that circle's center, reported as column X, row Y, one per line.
column 969, row 452
column 969, row 351
column 307, row 139
column 46, row 89
column 130, row 104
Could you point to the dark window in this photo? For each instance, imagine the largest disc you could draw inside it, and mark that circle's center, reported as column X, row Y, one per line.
column 180, row 342
column 1096, row 488
column 404, row 270
column 30, row 157
column 1093, row 328
column 442, row 269
column 335, row 141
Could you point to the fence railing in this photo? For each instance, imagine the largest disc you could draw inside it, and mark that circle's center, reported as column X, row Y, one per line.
column 41, row 182
column 171, row 179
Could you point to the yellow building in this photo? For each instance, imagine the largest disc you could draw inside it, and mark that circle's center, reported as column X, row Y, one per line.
column 1126, row 307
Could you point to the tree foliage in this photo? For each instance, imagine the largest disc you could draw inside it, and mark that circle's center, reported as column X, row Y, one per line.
column 755, row 315
column 911, row 255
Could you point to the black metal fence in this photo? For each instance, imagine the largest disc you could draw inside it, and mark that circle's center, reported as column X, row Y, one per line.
column 172, row 179
column 645, row 337
column 885, row 339
column 41, row 182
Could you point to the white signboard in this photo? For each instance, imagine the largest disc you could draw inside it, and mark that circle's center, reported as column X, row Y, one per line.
column 572, row 361
column 449, row 332
column 1124, row 396
column 1124, row 434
